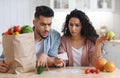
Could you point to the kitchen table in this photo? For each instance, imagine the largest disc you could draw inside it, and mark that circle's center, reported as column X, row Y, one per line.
column 68, row 72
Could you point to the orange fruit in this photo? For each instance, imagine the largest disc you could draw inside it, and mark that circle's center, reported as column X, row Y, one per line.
column 109, row 67
column 99, row 64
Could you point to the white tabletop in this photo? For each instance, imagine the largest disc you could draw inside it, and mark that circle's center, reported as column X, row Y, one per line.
column 68, row 72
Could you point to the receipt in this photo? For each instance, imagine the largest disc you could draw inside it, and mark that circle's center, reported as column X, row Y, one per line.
column 63, row 56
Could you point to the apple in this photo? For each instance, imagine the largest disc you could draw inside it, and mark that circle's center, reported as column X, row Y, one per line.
column 110, row 35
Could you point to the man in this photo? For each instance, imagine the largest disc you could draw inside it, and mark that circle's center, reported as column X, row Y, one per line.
column 47, row 40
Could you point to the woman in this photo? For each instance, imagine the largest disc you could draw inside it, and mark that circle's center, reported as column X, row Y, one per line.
column 80, row 41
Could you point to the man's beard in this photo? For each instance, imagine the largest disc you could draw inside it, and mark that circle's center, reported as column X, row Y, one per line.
column 41, row 35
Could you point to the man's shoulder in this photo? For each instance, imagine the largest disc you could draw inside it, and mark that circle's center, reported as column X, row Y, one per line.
column 54, row 32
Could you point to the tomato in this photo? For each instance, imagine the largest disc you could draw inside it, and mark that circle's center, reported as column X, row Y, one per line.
column 87, row 71
column 97, row 71
column 92, row 70
column 17, row 29
column 6, row 33
column 9, row 31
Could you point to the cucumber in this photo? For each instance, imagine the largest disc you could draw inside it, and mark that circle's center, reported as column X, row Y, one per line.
column 40, row 69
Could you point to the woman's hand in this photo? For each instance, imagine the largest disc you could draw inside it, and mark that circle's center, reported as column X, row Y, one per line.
column 101, row 39
column 3, row 67
column 98, row 45
column 59, row 62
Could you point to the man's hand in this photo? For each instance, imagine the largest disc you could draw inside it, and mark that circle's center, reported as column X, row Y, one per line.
column 42, row 60
column 3, row 67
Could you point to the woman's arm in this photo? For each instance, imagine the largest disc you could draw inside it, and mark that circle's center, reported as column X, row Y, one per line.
column 96, row 51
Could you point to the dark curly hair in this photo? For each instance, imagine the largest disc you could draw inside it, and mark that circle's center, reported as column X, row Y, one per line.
column 87, row 30
column 43, row 11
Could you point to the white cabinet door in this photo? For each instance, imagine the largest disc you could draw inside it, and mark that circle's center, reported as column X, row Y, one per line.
column 95, row 5
column 104, row 5
column 112, row 52
column 85, row 5
column 62, row 5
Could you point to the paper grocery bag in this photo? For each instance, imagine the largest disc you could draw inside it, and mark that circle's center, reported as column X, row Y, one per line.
column 20, row 52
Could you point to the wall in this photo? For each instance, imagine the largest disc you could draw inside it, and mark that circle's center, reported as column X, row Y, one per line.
column 116, row 18
column 15, row 12
column 20, row 12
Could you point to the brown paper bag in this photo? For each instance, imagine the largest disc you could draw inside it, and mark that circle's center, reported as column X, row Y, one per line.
column 19, row 52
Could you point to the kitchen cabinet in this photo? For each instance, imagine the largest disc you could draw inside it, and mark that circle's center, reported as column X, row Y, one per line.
column 116, row 18
column 117, row 7
column 62, row 5
column 85, row 5
column 112, row 51
column 95, row 5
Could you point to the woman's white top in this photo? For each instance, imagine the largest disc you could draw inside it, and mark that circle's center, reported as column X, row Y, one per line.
column 77, row 54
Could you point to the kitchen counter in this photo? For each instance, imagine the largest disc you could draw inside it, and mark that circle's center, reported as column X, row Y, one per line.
column 113, row 41
column 68, row 72
column 111, row 51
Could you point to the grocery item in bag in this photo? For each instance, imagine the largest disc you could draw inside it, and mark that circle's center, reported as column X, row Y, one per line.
column 19, row 51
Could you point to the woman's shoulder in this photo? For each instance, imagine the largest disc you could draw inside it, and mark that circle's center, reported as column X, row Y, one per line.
column 90, row 43
column 65, row 41
column 65, row 37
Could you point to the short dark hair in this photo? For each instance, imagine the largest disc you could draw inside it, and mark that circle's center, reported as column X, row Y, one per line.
column 43, row 11
column 87, row 30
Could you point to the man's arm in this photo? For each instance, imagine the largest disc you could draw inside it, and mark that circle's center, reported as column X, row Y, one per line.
column 51, row 45
column 1, row 57
column 3, row 67
column 50, row 61
column 55, row 61
column 54, row 51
